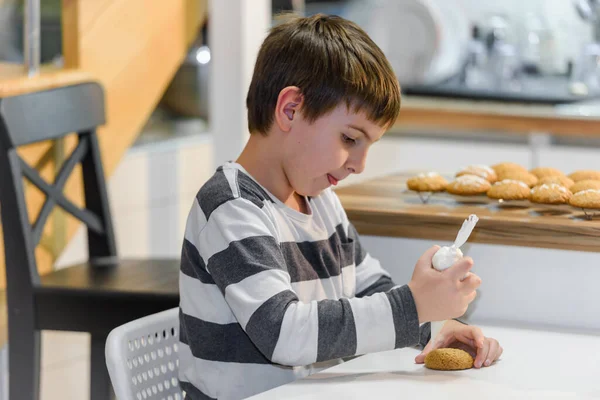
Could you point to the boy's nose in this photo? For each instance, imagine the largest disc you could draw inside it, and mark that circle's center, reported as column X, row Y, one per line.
column 357, row 166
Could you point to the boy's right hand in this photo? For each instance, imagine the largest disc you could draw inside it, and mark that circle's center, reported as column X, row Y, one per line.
column 442, row 295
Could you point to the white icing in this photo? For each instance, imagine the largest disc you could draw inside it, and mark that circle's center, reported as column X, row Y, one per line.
column 587, row 191
column 470, row 180
column 428, row 175
column 507, row 181
column 550, row 186
column 445, row 257
column 487, row 171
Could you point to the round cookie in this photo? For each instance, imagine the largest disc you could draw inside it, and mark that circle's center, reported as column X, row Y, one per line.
column 507, row 166
column 542, row 172
column 551, row 193
column 427, row 182
column 589, row 198
column 468, row 185
column 518, row 175
column 509, row 189
column 561, row 180
column 583, row 175
column 585, row 185
column 448, row 359
column 480, row 170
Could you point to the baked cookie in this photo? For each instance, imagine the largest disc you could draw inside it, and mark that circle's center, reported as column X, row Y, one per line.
column 518, row 175
column 589, row 198
column 583, row 175
column 559, row 179
column 507, row 166
column 542, row 172
column 480, row 170
column 427, row 182
column 509, row 189
column 584, row 185
column 468, row 185
column 448, row 359
column 550, row 193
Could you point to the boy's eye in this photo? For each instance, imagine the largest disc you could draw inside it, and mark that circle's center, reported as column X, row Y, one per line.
column 347, row 139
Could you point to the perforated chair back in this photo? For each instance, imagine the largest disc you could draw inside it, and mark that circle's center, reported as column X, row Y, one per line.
column 142, row 358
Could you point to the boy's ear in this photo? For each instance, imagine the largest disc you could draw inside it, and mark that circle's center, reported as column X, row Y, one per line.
column 288, row 104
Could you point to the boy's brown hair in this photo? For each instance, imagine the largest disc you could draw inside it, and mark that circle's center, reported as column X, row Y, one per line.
column 331, row 60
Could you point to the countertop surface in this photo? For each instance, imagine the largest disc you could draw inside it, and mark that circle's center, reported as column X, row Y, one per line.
column 535, row 364
column 572, row 119
column 383, row 206
column 588, row 110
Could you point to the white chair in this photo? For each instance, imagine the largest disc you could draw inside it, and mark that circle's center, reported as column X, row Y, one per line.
column 142, row 359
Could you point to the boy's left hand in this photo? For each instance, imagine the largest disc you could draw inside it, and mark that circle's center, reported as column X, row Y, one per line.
column 469, row 338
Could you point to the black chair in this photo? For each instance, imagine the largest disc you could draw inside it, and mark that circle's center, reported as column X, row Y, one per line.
column 94, row 297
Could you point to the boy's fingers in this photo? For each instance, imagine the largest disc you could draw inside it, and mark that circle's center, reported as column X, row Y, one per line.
column 420, row 358
column 493, row 353
column 473, row 336
column 460, row 268
column 482, row 354
column 471, row 296
column 428, row 255
column 432, row 345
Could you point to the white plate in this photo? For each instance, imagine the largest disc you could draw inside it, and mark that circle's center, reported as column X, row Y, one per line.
column 424, row 40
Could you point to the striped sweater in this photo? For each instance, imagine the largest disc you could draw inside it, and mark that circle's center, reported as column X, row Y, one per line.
column 270, row 295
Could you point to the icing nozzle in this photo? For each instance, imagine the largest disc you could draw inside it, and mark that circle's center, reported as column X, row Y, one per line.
column 465, row 230
column 446, row 256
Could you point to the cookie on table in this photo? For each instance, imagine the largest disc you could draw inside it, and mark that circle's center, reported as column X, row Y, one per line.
column 559, row 179
column 585, row 185
column 550, row 193
column 480, row 170
column 448, row 360
column 427, row 182
column 542, row 172
column 518, row 175
column 509, row 189
column 583, row 175
column 468, row 185
column 507, row 166
column 589, row 198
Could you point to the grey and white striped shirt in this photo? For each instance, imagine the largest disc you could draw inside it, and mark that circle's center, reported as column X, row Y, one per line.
column 270, row 295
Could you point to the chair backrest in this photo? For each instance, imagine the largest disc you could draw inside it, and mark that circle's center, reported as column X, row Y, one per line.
column 38, row 117
column 142, row 358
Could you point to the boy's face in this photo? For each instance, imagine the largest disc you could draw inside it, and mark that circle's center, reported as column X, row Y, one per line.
column 321, row 154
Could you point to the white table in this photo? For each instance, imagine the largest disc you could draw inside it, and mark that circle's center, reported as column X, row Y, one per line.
column 535, row 364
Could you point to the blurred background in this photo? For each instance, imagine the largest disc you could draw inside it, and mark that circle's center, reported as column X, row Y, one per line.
column 540, row 51
column 483, row 82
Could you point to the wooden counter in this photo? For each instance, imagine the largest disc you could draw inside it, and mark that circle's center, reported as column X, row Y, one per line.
column 574, row 119
column 385, row 207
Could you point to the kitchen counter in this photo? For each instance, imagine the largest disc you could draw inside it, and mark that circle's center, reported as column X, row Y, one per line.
column 573, row 119
column 536, row 364
column 384, row 206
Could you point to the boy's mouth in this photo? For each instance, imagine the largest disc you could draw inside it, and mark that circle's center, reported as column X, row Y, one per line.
column 332, row 180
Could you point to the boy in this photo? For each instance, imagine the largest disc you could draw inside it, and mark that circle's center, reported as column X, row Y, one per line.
column 274, row 282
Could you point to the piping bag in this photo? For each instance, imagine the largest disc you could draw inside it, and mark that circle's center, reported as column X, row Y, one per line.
column 445, row 257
